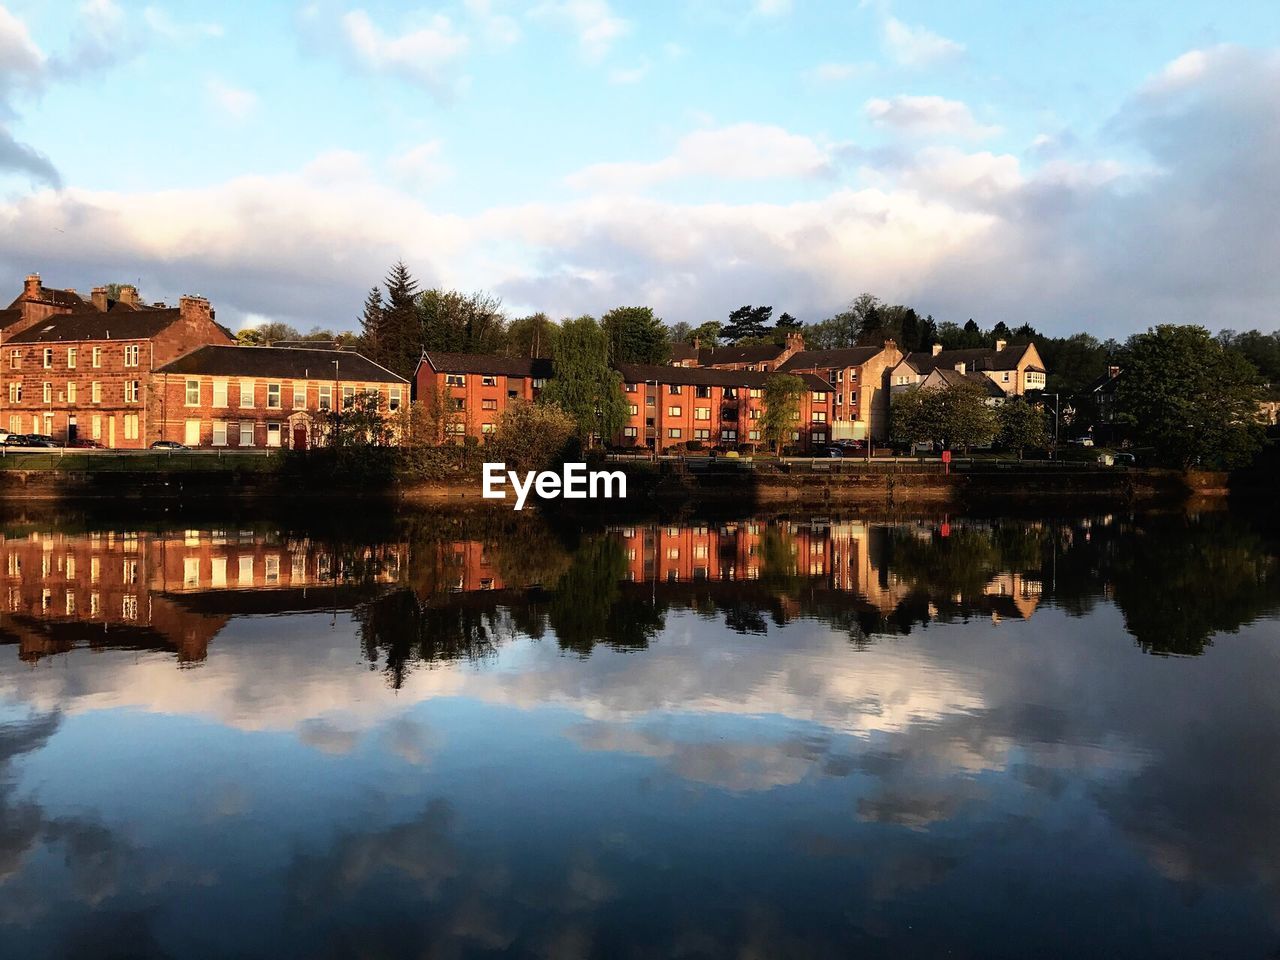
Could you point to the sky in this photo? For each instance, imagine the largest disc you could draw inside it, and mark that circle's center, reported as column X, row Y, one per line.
column 1086, row 166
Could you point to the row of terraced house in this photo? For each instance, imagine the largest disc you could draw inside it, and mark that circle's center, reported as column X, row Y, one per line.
column 125, row 373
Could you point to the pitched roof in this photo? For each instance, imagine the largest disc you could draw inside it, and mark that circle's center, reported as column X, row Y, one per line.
column 8, row 317
column 684, row 351
column 974, row 358
column 708, row 377
column 752, row 353
column 954, row 378
column 64, row 298
column 845, row 357
column 488, row 365
column 284, row 362
column 92, row 325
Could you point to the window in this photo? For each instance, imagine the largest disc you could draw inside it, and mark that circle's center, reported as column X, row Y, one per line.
column 674, row 390
column 191, row 571
column 95, row 392
column 702, row 393
column 131, row 352
column 539, row 382
column 629, row 431
column 193, row 393
column 246, row 433
column 819, row 416
column 649, row 402
column 486, row 428
column 819, row 436
column 48, row 357
column 131, row 426
column 273, row 434
column 394, row 398
column 755, row 393
column 702, row 434
column 819, row 396
column 675, row 411
column 246, row 393
column 454, row 380
column 488, row 381
column 131, row 391
column 95, row 429
column 1004, row 376
column 299, row 396
column 835, row 376
column 15, row 392
column 702, row 413
column 731, row 393
column 753, row 434
column 48, row 392
column 631, row 387
column 273, row 568
column 839, row 399
column 15, row 424
column 218, row 572
column 71, row 358
column 729, row 435
column 633, row 409
column 348, row 397
column 96, row 356
column 488, row 404
column 220, row 393
column 15, row 359
column 325, row 399
column 674, row 433
column 219, row 433
column 273, row 396
column 71, row 391
column 795, row 435
column 246, row 569
column 191, row 433
column 795, row 415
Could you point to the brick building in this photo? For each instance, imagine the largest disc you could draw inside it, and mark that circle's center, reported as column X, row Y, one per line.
column 84, row 369
column 760, row 357
column 670, row 406
column 476, row 388
column 860, row 378
column 240, row 396
column 1016, row 369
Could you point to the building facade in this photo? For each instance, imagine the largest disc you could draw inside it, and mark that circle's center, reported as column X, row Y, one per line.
column 859, row 377
column 242, row 397
column 476, row 388
column 1016, row 370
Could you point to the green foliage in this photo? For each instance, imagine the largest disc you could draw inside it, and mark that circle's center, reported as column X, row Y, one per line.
column 747, row 323
column 454, row 322
column 364, row 423
column 392, row 335
column 1189, row 399
column 1021, row 425
column 636, row 336
column 532, row 336
column 956, row 416
column 782, row 394
column 708, row 334
column 535, row 436
column 585, row 386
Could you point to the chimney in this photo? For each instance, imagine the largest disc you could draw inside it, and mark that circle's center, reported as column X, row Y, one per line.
column 31, row 286
column 99, row 298
column 1113, row 372
column 129, row 295
column 795, row 341
column 960, row 367
column 937, row 349
column 1001, row 344
column 193, row 308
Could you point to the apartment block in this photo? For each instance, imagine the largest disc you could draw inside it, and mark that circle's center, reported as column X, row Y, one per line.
column 477, row 388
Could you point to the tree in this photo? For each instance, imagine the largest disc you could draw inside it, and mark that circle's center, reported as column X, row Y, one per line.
column 1190, row 399
column 585, row 386
column 267, row 333
column 787, row 324
column 531, row 336
column 362, row 423
column 708, row 334
column 636, row 336
column 535, row 436
column 398, row 345
column 955, row 416
column 455, row 322
column 371, row 324
column 1022, row 425
column 782, row 395
column 680, row 332
column 747, row 323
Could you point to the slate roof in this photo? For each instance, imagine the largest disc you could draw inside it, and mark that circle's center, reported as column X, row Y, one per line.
column 683, row 351
column 93, row 325
column 64, row 298
column 285, row 363
column 707, row 377
column 752, row 353
column 488, row 365
column 954, row 378
column 845, row 357
column 974, row 358
column 8, row 317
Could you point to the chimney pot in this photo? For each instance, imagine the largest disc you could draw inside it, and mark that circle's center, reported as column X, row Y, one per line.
column 937, row 349
column 960, row 366
column 99, row 298
column 1001, row 344
column 31, row 286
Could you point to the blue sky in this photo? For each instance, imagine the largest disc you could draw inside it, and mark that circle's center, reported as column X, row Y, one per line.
column 1078, row 166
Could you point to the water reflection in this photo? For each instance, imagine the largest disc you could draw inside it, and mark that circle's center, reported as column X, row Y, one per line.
column 767, row 737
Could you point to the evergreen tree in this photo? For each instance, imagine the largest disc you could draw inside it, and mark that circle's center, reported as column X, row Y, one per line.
column 787, row 324
column 371, row 326
column 636, row 336
column 400, row 341
column 585, row 386
column 747, row 323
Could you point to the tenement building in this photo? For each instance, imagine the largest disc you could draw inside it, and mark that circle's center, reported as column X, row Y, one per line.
column 72, row 368
column 671, row 407
column 859, row 377
column 242, row 397
column 475, row 389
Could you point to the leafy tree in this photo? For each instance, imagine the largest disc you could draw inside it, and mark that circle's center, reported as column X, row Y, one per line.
column 532, row 336
column 362, row 423
column 1260, row 349
column 782, row 395
column 708, row 334
column 585, row 386
column 1190, row 399
column 680, row 332
column 955, row 416
column 747, row 323
column 1022, row 425
column 268, row 333
column 456, row 322
column 636, row 336
column 535, row 436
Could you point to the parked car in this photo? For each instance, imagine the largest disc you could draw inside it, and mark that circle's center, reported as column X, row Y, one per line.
column 85, row 443
column 851, row 446
column 1082, row 442
column 34, row 440
column 169, row 445
column 1125, row 460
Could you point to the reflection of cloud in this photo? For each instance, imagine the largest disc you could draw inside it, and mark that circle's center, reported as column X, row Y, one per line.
column 413, row 742
column 327, row 736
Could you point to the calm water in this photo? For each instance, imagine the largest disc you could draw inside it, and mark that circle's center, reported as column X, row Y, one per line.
column 975, row 738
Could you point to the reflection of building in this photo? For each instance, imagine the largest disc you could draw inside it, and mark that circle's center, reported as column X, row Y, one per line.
column 138, row 588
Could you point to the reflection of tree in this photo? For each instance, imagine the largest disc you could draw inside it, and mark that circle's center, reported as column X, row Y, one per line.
column 962, row 563
column 586, row 607
column 779, row 570
column 405, row 631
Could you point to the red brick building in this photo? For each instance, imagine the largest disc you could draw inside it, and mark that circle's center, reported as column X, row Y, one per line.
column 476, row 388
column 860, row 378
column 671, row 406
column 262, row 397
column 71, row 368
column 761, row 357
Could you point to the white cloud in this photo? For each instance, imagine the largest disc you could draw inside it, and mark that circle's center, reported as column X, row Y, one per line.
column 21, row 61
column 836, row 72
column 163, row 25
column 101, row 38
column 420, row 167
column 917, row 46
column 629, row 75
column 745, row 151
column 424, row 54
column 772, row 8
column 236, row 102
column 926, row 116
column 499, row 29
column 595, row 24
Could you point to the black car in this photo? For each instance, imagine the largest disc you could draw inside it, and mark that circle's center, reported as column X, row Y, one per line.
column 169, row 445
column 29, row 440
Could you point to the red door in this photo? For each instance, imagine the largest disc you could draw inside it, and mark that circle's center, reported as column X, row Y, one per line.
column 299, row 436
